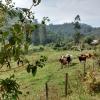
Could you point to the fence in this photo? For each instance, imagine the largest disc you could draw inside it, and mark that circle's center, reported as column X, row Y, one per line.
column 52, row 91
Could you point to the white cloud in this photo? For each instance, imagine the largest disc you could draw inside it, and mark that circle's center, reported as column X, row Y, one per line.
column 60, row 11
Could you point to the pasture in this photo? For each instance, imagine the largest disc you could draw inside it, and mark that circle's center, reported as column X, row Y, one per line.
column 33, row 88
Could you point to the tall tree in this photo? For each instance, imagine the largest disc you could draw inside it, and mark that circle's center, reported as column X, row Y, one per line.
column 43, row 32
column 35, row 34
column 77, row 28
column 12, row 50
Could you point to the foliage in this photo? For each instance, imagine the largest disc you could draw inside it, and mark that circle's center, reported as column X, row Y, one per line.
column 89, row 39
column 36, row 2
column 77, row 27
column 17, row 31
column 38, row 63
column 43, row 33
column 41, row 48
column 77, row 37
column 15, row 37
column 76, row 22
column 45, row 19
column 93, row 85
column 63, row 45
column 9, row 88
column 58, row 46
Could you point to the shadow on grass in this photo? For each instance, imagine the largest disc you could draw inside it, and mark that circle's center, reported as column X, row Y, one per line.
column 66, row 66
column 73, row 64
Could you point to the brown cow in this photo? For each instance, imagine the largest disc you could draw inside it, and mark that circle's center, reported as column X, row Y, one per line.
column 65, row 60
column 82, row 58
column 85, row 56
column 88, row 55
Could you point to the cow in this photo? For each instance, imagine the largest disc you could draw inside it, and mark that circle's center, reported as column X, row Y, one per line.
column 82, row 58
column 88, row 55
column 65, row 60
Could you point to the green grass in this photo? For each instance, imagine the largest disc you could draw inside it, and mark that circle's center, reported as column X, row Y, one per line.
column 54, row 75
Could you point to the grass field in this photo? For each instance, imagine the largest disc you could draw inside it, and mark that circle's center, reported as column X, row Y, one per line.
column 33, row 88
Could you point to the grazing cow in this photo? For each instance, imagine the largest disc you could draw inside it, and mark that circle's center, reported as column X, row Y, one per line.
column 65, row 60
column 82, row 58
column 85, row 56
column 88, row 55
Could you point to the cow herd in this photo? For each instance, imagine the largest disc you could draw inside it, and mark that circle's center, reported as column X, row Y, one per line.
column 67, row 59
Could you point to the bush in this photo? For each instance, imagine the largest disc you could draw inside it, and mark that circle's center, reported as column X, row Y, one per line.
column 89, row 39
column 41, row 48
column 38, row 49
column 62, row 46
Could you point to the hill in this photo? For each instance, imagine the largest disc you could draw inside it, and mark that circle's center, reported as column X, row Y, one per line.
column 68, row 29
column 95, row 32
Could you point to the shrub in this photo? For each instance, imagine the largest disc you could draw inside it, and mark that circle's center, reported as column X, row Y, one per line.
column 41, row 48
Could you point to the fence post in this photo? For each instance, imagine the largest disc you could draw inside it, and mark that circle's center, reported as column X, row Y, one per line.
column 46, row 87
column 66, row 84
column 84, row 68
column 93, row 63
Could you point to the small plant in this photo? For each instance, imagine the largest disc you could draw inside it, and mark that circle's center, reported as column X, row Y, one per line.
column 38, row 63
column 41, row 48
column 9, row 88
column 93, row 85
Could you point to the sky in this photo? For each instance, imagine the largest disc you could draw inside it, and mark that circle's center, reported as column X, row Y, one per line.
column 62, row 11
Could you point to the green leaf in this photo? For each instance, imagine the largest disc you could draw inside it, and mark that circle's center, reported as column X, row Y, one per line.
column 21, row 16
column 17, row 28
column 25, row 9
column 28, row 68
column 5, row 34
column 36, row 2
column 34, row 70
column 10, row 89
column 43, row 22
column 12, row 13
column 12, row 40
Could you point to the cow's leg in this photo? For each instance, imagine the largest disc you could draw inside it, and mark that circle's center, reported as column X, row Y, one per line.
column 68, row 64
column 61, row 66
column 80, row 61
column 65, row 66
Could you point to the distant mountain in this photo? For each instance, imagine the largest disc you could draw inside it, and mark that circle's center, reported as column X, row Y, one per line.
column 68, row 29
column 96, row 31
column 65, row 29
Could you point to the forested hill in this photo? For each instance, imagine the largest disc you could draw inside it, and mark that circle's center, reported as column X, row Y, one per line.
column 68, row 28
